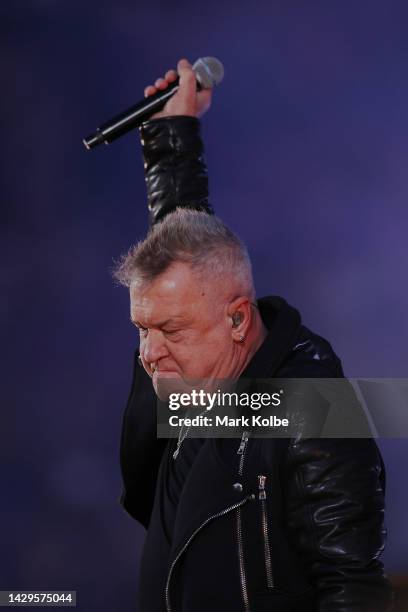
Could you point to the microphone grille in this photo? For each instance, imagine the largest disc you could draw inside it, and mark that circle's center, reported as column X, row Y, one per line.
column 209, row 71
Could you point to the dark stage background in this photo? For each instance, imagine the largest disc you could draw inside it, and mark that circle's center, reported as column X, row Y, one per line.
column 307, row 147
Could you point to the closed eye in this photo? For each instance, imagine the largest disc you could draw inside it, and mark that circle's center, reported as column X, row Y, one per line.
column 172, row 333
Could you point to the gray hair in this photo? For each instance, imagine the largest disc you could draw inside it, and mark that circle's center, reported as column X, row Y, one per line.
column 193, row 237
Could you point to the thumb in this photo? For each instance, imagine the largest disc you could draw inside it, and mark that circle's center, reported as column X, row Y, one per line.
column 203, row 101
column 187, row 83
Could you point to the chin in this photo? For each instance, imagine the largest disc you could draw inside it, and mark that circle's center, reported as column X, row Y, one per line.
column 165, row 383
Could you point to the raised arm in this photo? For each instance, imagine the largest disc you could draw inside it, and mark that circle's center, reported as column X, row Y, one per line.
column 176, row 175
column 175, row 170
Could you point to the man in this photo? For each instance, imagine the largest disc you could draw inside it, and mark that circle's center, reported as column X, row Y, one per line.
column 241, row 525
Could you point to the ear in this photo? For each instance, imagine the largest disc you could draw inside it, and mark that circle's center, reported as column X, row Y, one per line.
column 239, row 314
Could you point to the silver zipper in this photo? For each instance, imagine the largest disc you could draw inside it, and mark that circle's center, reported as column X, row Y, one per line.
column 210, row 518
column 242, row 574
column 264, row 522
column 241, row 450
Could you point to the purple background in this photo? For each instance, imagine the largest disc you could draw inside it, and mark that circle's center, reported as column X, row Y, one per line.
column 307, row 150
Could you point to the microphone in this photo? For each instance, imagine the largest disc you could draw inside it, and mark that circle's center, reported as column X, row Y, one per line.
column 209, row 72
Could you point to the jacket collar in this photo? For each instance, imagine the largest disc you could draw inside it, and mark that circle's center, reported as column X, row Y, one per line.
column 283, row 323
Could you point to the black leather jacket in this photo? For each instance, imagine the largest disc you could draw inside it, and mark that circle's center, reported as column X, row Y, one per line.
column 312, row 544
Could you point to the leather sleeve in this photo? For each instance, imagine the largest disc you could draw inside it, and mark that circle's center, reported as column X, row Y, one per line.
column 140, row 449
column 335, row 509
column 335, row 490
column 175, row 170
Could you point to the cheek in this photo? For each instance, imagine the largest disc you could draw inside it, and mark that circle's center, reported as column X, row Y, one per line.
column 211, row 352
column 219, row 343
column 181, row 355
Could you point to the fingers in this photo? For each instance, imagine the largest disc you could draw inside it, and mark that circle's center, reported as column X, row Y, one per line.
column 161, row 84
column 186, row 100
column 149, row 91
column 170, row 76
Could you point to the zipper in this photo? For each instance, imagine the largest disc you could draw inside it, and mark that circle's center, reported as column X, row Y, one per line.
column 242, row 574
column 241, row 450
column 183, row 549
column 265, row 533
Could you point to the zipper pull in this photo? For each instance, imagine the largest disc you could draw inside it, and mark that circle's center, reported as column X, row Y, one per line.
column 244, row 441
column 261, row 487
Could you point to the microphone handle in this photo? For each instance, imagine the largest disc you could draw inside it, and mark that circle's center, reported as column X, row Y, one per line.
column 130, row 118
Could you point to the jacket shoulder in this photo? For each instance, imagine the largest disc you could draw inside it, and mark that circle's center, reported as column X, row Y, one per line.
column 311, row 355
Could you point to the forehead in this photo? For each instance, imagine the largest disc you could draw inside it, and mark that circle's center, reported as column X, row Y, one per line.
column 176, row 293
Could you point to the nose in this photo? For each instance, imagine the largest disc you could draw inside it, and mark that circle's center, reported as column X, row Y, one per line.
column 153, row 347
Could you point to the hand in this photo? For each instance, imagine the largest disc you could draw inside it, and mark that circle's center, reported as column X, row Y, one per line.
column 187, row 100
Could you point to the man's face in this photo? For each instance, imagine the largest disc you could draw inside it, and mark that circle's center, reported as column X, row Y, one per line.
column 185, row 332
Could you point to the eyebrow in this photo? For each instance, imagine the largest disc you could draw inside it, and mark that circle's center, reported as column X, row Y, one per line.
column 160, row 324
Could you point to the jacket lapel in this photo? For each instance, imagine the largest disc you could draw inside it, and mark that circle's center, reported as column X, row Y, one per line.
column 208, row 490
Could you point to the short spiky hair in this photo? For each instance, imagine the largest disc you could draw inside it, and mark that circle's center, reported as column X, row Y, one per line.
column 189, row 236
